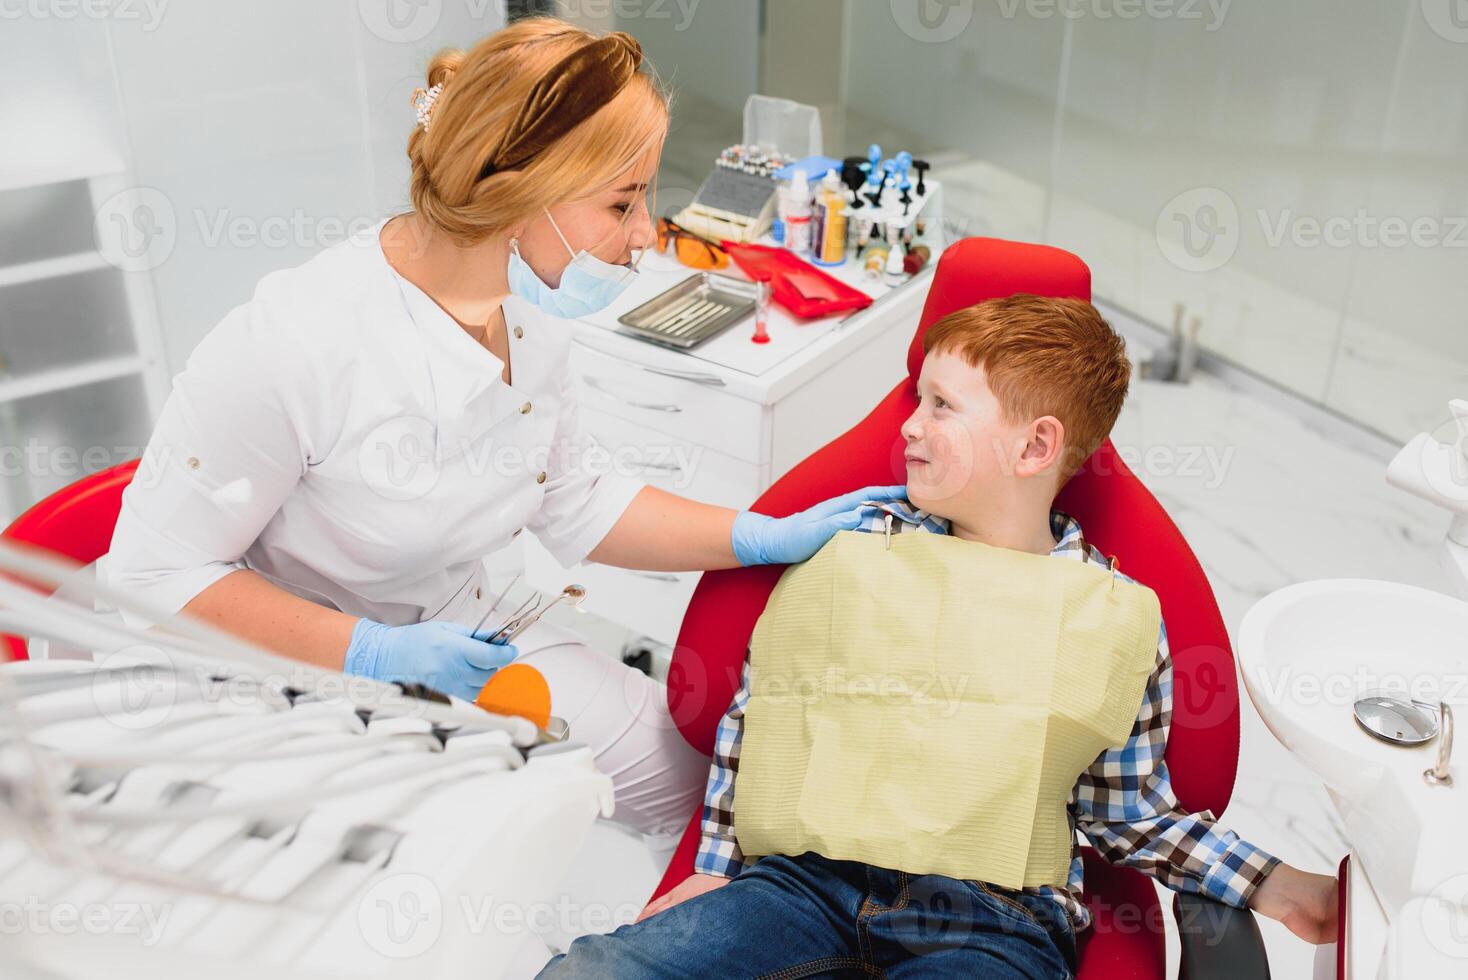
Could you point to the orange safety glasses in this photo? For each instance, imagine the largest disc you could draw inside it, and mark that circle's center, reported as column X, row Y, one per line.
column 690, row 249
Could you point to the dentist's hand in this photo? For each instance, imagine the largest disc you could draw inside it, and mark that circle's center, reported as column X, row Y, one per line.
column 763, row 540
column 444, row 656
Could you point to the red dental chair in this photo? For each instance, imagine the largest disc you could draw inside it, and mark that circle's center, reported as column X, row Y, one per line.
column 75, row 521
column 1120, row 516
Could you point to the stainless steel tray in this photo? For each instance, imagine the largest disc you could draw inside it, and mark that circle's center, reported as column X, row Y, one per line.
column 692, row 311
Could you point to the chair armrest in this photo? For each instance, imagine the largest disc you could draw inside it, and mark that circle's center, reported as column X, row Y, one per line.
column 1219, row 942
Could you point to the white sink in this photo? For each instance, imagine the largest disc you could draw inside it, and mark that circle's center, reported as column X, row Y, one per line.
column 1306, row 653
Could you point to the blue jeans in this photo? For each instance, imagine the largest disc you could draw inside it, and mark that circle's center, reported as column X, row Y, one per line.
column 810, row 916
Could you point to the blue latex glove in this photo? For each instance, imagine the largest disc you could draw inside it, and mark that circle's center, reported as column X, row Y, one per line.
column 763, row 540
column 445, row 656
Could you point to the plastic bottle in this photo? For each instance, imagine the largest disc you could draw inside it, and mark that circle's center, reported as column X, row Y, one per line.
column 894, row 275
column 873, row 256
column 830, row 247
column 796, row 214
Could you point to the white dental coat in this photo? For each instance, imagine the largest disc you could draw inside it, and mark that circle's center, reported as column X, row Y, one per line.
column 342, row 436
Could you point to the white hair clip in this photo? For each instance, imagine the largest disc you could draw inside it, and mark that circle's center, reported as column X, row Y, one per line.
column 423, row 100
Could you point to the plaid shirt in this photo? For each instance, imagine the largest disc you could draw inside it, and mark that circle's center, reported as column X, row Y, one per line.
column 1123, row 804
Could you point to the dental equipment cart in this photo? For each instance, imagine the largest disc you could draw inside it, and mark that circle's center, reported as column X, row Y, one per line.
column 180, row 808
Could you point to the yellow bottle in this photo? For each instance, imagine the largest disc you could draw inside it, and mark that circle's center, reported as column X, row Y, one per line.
column 831, row 220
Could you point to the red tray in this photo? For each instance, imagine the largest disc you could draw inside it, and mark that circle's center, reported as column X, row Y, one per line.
column 802, row 288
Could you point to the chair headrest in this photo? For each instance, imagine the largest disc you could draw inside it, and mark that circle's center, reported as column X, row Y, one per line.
column 972, row 270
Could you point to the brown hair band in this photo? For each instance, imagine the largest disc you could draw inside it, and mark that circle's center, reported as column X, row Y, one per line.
column 574, row 88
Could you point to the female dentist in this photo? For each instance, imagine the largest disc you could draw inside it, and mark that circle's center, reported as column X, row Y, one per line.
column 342, row 451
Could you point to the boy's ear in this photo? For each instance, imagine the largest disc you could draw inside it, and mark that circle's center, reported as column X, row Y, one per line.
column 1046, row 443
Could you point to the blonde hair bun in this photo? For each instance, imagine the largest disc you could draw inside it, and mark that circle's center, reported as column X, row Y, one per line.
column 444, row 65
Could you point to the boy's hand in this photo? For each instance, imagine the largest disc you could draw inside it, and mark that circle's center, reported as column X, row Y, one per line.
column 690, row 887
column 1304, row 902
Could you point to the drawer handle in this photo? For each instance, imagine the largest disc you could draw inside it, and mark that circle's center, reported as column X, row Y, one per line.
column 661, row 467
column 656, row 576
column 600, row 386
column 697, row 377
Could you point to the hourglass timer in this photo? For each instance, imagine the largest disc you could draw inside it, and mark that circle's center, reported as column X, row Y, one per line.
column 761, row 311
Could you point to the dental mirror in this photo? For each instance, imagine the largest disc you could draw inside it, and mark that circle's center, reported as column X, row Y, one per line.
column 1395, row 719
column 524, row 618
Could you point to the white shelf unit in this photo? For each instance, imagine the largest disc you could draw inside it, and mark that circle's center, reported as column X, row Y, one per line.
column 81, row 366
column 61, row 265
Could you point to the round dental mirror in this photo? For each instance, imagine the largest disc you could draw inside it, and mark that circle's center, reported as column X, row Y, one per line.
column 1395, row 719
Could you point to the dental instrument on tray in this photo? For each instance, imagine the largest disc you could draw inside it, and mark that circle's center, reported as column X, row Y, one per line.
column 691, row 312
column 262, row 813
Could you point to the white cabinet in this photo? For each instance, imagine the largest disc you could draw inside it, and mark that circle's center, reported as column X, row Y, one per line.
column 722, row 422
column 80, row 371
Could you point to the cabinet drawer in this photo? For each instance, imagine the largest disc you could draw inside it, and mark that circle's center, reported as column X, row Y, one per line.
column 650, row 603
column 695, row 412
column 675, row 465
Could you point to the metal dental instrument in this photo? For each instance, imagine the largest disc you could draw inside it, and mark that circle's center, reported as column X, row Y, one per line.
column 531, row 603
column 891, row 512
column 530, row 612
column 496, row 604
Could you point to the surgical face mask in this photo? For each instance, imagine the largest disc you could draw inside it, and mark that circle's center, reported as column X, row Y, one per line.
column 588, row 284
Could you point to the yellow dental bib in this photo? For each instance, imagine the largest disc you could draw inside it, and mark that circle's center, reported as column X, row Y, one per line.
column 928, row 707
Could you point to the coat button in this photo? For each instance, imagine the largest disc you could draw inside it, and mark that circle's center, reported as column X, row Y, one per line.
column 519, row 332
column 541, row 478
column 525, row 409
column 517, row 532
column 478, row 594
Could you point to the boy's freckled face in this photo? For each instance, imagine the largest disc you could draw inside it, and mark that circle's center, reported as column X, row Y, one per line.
column 958, row 441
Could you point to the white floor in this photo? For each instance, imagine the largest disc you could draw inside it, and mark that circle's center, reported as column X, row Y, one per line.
column 1265, row 500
